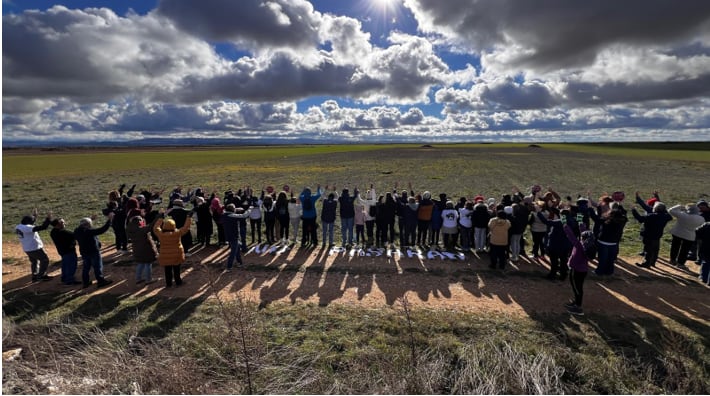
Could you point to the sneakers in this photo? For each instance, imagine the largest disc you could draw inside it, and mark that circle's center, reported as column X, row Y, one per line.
column 570, row 305
column 642, row 265
column 575, row 310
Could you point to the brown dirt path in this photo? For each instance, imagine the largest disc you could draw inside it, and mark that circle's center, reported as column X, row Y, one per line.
column 315, row 276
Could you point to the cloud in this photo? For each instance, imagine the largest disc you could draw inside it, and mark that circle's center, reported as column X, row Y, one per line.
column 561, row 33
column 93, row 55
column 250, row 23
column 533, row 66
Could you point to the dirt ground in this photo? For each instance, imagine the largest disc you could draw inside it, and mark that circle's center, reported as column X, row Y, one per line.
column 323, row 276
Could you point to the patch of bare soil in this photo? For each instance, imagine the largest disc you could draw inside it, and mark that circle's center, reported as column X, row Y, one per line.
column 322, row 276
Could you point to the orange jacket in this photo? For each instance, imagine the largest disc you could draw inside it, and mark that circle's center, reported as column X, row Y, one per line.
column 171, row 251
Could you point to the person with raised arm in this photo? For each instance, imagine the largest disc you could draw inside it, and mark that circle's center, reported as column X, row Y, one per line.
column 65, row 242
column 653, row 222
column 310, row 214
column 171, row 253
column 90, row 249
column 33, row 246
column 231, row 220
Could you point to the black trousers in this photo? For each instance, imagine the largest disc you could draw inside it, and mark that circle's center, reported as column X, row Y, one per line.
column 558, row 262
column 576, row 279
column 172, row 271
column 498, row 255
column 679, row 249
column 651, row 247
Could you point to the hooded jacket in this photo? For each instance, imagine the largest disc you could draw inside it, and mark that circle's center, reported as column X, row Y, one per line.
column 309, row 212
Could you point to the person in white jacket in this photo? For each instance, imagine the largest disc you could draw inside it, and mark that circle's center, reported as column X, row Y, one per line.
column 369, row 203
column 449, row 227
column 294, row 214
column 688, row 218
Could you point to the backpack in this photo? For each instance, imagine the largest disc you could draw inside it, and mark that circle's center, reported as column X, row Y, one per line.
column 589, row 243
column 307, row 204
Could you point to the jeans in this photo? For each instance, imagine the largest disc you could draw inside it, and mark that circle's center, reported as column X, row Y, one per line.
column 538, row 243
column 92, row 261
column 479, row 238
column 346, row 228
column 144, row 271
column 295, row 225
column 328, row 231
column 243, row 234
column 465, row 238
column 233, row 254
column 255, row 229
column 606, row 257
column 515, row 245
column 39, row 262
column 69, row 264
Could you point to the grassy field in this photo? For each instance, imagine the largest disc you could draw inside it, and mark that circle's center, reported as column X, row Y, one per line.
column 75, row 184
column 106, row 343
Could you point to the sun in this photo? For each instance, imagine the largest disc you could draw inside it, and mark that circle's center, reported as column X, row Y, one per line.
column 385, row 5
column 384, row 10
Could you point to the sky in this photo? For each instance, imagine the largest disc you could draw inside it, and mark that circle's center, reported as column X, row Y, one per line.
column 355, row 71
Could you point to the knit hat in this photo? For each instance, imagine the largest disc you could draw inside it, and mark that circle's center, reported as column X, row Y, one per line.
column 651, row 201
column 702, row 202
column 478, row 198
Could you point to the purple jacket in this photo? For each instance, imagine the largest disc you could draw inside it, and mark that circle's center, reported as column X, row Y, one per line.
column 577, row 260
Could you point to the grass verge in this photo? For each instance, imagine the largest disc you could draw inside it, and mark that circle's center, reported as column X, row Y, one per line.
column 125, row 344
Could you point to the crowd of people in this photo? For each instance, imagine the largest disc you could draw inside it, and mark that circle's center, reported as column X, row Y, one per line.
column 570, row 232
